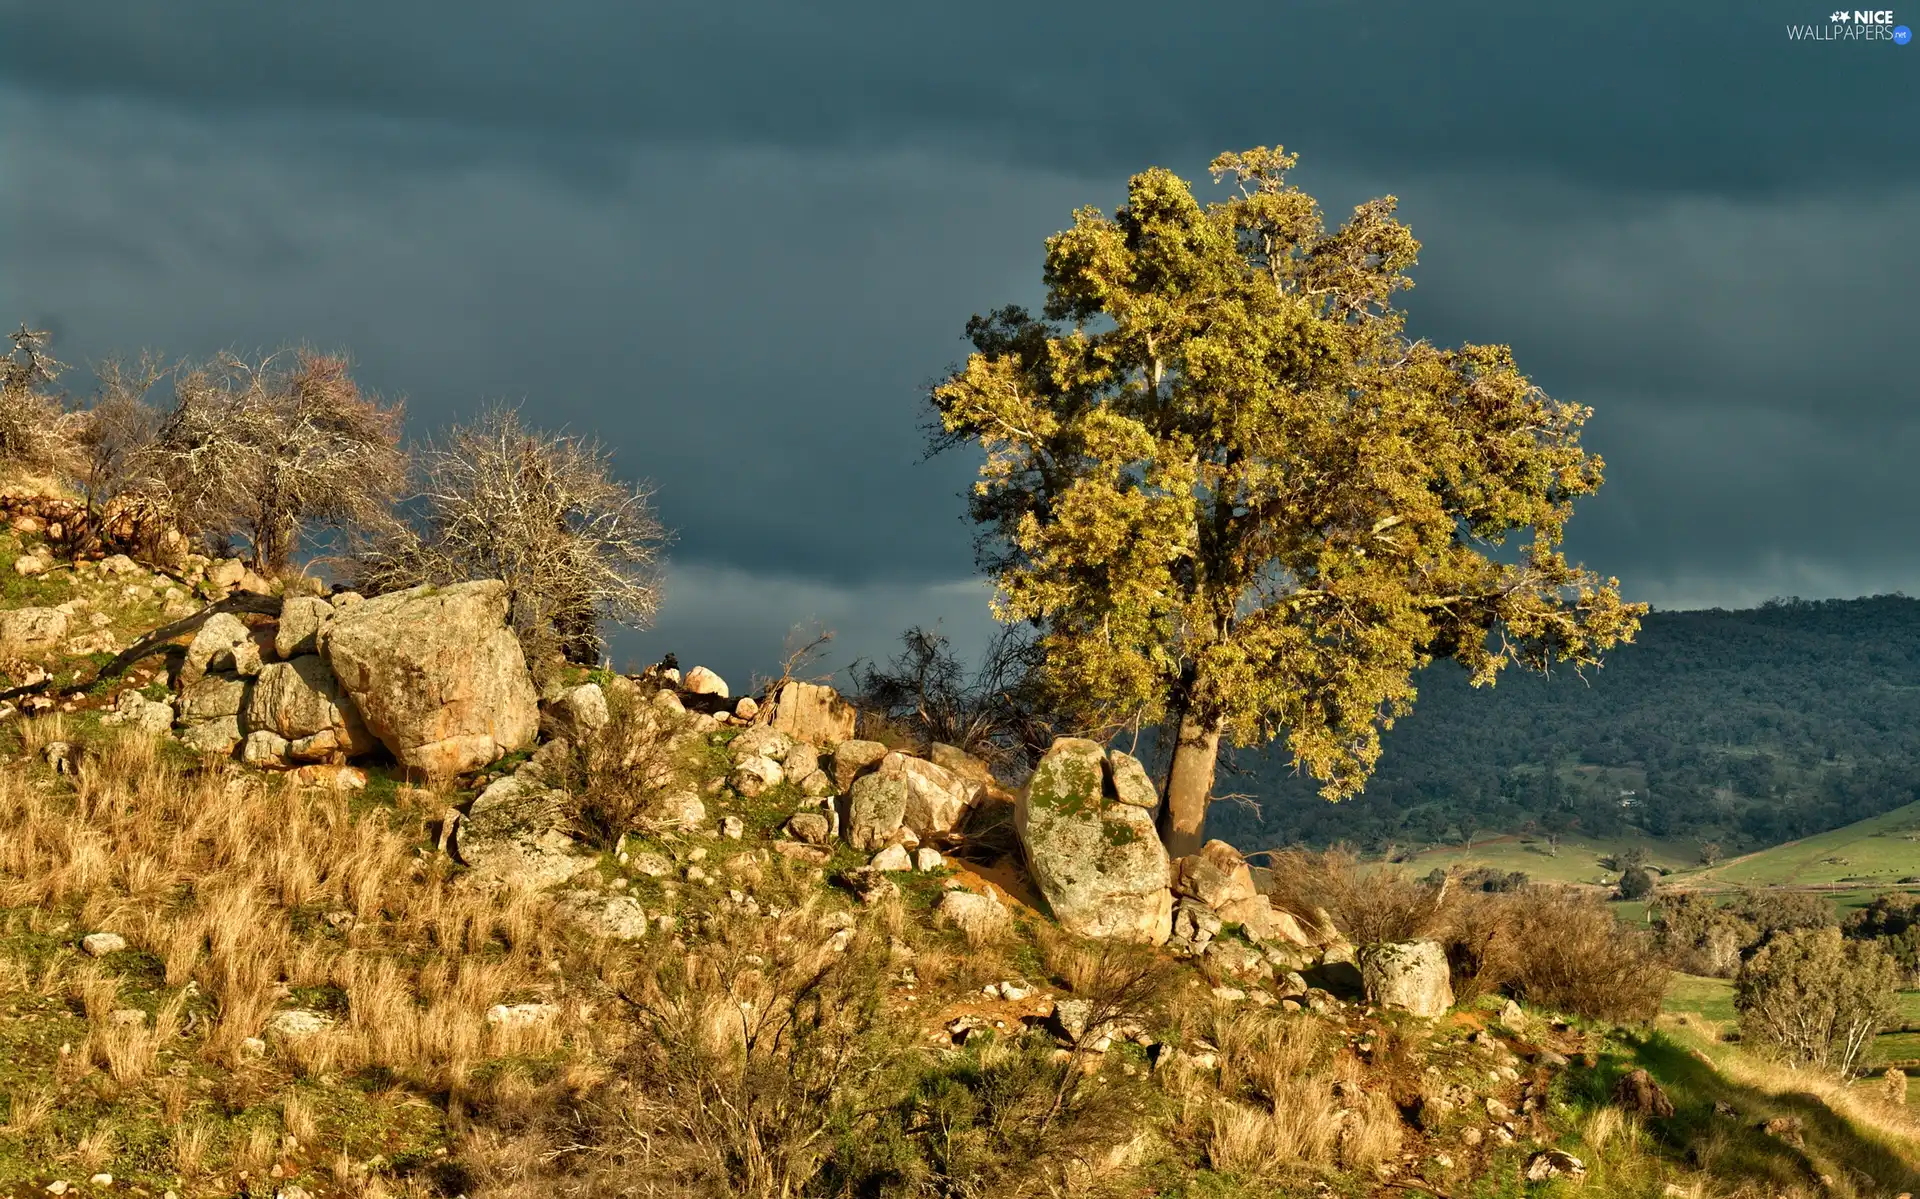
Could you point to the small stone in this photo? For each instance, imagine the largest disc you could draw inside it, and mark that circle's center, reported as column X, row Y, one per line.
column 927, row 859
column 701, row 681
column 99, row 945
column 811, row 827
column 891, row 859
column 651, row 864
column 732, row 828
column 521, row 1015
column 747, row 708
column 128, row 1017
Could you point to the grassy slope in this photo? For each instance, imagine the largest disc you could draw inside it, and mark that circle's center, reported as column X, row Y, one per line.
column 1577, row 860
column 1881, row 851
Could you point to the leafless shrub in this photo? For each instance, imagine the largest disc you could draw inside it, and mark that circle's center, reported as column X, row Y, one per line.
column 1375, row 906
column 995, row 710
column 118, row 432
column 36, row 431
column 542, row 511
column 268, row 451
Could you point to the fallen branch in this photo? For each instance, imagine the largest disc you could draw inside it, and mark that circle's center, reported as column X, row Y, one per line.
column 241, row 602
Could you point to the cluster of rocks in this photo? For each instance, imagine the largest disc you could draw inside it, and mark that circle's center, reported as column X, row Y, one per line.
column 433, row 675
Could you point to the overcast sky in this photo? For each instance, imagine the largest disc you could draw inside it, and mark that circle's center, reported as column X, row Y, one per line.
column 736, row 240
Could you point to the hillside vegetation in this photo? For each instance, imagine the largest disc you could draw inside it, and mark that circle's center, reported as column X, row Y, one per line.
column 1740, row 728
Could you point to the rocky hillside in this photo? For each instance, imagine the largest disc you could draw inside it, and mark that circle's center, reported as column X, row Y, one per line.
column 312, row 894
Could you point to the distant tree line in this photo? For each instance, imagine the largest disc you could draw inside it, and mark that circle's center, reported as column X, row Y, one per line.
column 1731, row 729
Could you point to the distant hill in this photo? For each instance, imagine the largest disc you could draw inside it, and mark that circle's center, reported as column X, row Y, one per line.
column 1745, row 728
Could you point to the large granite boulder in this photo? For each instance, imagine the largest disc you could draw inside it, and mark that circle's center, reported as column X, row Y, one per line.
column 937, row 800
column 302, row 701
column 812, row 713
column 1098, row 861
column 437, row 675
column 876, row 810
column 516, row 834
column 1410, row 974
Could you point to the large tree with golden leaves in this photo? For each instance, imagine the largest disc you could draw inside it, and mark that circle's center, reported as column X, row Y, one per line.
column 1238, row 499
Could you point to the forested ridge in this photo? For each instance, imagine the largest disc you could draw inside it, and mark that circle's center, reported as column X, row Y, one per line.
column 1743, row 728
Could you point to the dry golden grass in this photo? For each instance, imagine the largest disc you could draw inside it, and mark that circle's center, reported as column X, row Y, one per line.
column 222, row 875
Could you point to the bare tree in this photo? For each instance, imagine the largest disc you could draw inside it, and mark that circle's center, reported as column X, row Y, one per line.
column 543, row 512
column 996, row 710
column 36, row 431
column 118, row 433
column 268, row 451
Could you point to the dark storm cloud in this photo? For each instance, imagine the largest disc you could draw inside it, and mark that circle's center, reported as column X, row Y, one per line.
column 737, row 246
column 1704, row 96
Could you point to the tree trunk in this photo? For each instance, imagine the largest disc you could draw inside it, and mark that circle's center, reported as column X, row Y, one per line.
column 1189, row 787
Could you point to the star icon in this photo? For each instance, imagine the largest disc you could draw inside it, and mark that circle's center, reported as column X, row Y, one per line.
column 1840, row 16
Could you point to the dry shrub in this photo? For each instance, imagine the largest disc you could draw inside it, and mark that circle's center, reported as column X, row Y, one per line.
column 750, row 1050
column 36, row 431
column 616, row 778
column 1365, row 906
column 1574, row 955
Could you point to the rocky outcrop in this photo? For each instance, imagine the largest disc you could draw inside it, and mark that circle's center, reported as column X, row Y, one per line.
column 224, row 644
column 303, row 703
column 437, row 675
column 812, row 713
column 937, row 801
column 1412, row 975
column 1098, row 861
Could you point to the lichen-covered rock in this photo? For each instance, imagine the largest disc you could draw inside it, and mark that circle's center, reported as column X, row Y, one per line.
column 876, row 810
column 760, row 742
column 1098, row 862
column 516, row 833
column 755, row 776
column 1412, row 975
column 811, row 827
column 31, row 630
column 1216, row 876
column 1131, row 782
column 302, row 702
column 304, row 620
column 212, row 696
column 222, row 644
column 812, row 713
column 959, row 762
column 851, row 759
column 936, row 800
column 215, row 736
column 1263, row 923
column 437, row 675
column 578, row 713
column 618, row 917
column 135, row 711
column 264, row 747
